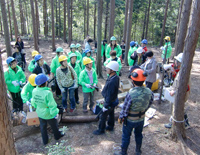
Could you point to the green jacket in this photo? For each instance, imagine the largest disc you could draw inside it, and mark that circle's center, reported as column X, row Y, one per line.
column 43, row 101
column 78, row 54
column 117, row 49
column 84, row 79
column 10, row 76
column 31, row 65
column 93, row 63
column 103, row 48
column 130, row 52
column 118, row 61
column 77, row 69
column 26, row 93
column 169, row 50
column 54, row 65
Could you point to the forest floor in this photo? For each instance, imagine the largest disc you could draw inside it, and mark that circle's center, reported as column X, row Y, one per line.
column 156, row 138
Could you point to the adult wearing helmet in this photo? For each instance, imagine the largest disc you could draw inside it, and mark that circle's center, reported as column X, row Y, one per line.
column 114, row 58
column 54, row 65
column 67, row 80
column 110, row 92
column 103, row 49
column 73, row 50
column 144, row 42
column 77, row 69
column 88, row 80
column 169, row 48
column 113, row 46
column 32, row 64
column 46, row 108
column 88, row 55
column 41, row 67
column 14, row 77
column 136, row 103
column 27, row 90
column 131, row 51
column 137, row 57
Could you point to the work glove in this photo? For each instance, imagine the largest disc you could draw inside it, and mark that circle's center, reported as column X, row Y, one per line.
column 94, row 84
column 88, row 85
column 56, row 117
column 75, row 84
column 104, row 109
column 162, row 48
column 20, row 83
column 120, row 120
column 15, row 83
column 62, row 90
column 28, row 103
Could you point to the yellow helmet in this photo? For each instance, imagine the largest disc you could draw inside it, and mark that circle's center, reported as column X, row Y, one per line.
column 167, row 38
column 87, row 61
column 31, row 79
column 34, row 53
column 62, row 58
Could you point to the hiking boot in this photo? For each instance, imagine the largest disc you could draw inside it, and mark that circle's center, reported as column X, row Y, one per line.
column 77, row 102
column 122, row 152
column 85, row 110
column 138, row 149
column 61, row 135
column 169, row 125
column 72, row 110
column 108, row 128
column 65, row 110
column 98, row 132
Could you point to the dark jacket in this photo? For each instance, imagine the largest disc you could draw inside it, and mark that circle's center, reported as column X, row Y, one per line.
column 110, row 90
column 135, row 58
column 22, row 56
column 19, row 45
column 37, row 70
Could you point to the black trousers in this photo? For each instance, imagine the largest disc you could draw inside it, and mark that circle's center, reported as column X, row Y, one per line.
column 58, row 92
column 76, row 95
column 149, row 84
column 104, row 56
column 18, row 104
column 111, row 119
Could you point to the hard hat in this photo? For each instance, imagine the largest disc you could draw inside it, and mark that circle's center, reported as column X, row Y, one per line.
column 87, row 61
column 167, row 38
column 72, row 46
column 34, row 53
column 72, row 55
column 179, row 57
column 113, row 65
column 59, row 49
column 139, row 50
column 38, row 57
column 78, row 45
column 62, row 58
column 138, row 75
column 132, row 43
column 113, row 38
column 87, row 50
column 144, row 41
column 40, row 79
column 9, row 60
column 31, row 79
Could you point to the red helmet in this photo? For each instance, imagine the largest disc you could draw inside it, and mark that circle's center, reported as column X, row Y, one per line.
column 138, row 75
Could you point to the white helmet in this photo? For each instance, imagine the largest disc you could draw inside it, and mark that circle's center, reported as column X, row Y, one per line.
column 113, row 65
column 139, row 50
column 179, row 57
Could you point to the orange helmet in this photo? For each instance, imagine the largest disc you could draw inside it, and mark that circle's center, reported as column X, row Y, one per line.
column 138, row 75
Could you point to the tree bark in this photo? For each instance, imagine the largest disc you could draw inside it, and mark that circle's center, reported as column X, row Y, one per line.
column 59, row 19
column 9, row 17
column 14, row 19
column 69, row 21
column 6, row 31
column 27, row 19
column 84, row 18
column 45, row 17
column 95, row 20
column 1, row 25
column 147, row 24
column 106, row 20
column 64, row 31
column 99, row 34
column 37, row 20
column 71, row 11
column 87, row 17
column 144, row 25
column 22, row 18
column 164, row 22
column 53, row 28
column 125, row 20
column 56, row 1
column 6, row 129
column 181, row 34
column 188, row 54
column 34, row 26
column 112, row 18
column 128, row 36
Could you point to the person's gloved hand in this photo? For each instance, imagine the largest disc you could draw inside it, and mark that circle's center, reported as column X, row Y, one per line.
column 15, row 83
column 104, row 109
column 75, row 84
column 162, row 48
column 56, row 117
column 88, row 85
column 20, row 83
column 95, row 84
column 62, row 90
column 28, row 103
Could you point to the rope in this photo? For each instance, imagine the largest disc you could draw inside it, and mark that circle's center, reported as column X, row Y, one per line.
column 171, row 118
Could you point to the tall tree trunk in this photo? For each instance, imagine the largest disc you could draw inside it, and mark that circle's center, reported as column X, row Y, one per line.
column 45, row 17
column 34, row 24
column 64, row 31
column 69, row 22
column 179, row 45
column 37, row 20
column 112, row 18
column 164, row 22
column 59, row 19
column 53, row 28
column 27, row 18
column 56, row 1
column 9, row 17
column 147, row 24
column 144, row 25
column 128, row 36
column 1, row 25
column 178, row 129
column 14, row 19
column 6, row 130
column 135, row 29
column 71, row 9
column 87, row 17
column 95, row 20
column 6, row 34
column 125, row 20
column 84, row 18
column 99, row 34
column 106, row 19
column 21, row 18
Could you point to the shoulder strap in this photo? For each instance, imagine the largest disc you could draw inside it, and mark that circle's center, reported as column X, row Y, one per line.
column 71, row 73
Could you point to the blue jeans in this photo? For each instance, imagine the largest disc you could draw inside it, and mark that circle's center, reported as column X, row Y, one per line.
column 127, row 131
column 71, row 97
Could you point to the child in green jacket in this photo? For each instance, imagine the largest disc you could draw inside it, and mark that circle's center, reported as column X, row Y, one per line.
column 32, row 64
column 113, row 46
column 88, row 55
column 78, row 54
column 103, row 49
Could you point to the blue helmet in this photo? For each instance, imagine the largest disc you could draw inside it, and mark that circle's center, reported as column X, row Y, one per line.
column 40, row 79
column 38, row 57
column 132, row 43
column 9, row 60
column 87, row 50
column 144, row 41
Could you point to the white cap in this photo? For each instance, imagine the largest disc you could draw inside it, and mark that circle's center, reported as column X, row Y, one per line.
column 113, row 65
column 179, row 57
column 139, row 50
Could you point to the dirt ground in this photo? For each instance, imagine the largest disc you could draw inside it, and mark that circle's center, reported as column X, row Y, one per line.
column 156, row 139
